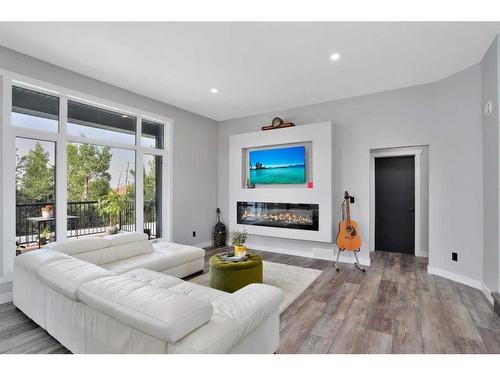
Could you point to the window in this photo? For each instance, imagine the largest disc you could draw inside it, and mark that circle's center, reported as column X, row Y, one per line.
column 35, row 192
column 34, row 110
column 99, row 148
column 100, row 124
column 152, row 195
column 152, row 134
column 95, row 172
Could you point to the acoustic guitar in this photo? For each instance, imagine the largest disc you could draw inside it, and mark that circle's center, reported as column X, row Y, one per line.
column 348, row 237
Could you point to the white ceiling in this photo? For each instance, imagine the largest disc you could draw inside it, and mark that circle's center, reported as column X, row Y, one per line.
column 257, row 67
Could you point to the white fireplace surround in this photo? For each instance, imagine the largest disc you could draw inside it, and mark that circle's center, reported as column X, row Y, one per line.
column 320, row 135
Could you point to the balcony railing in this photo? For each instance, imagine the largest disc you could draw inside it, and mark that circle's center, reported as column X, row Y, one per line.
column 87, row 220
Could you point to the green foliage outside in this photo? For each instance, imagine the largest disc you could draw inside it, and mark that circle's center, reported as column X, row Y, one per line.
column 88, row 175
column 111, row 204
column 35, row 177
column 150, row 182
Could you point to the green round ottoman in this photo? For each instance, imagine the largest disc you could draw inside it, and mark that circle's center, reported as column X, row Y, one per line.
column 231, row 276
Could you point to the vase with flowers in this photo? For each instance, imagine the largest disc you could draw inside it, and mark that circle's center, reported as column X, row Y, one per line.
column 48, row 211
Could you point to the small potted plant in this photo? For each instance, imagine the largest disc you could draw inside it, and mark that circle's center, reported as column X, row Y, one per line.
column 238, row 240
column 48, row 211
column 19, row 248
column 111, row 204
column 44, row 236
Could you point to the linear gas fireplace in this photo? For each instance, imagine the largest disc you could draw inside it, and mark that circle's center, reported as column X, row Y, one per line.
column 281, row 215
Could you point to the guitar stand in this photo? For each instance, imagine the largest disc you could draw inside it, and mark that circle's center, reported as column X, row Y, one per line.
column 356, row 264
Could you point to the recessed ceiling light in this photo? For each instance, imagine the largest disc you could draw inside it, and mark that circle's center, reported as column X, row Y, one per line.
column 335, row 56
column 214, row 91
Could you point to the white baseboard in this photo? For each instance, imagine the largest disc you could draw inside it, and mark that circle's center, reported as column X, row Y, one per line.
column 5, row 297
column 204, row 244
column 344, row 258
column 421, row 254
column 456, row 277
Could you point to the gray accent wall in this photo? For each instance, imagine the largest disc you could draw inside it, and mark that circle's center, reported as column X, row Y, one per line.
column 491, row 154
column 194, row 143
column 443, row 115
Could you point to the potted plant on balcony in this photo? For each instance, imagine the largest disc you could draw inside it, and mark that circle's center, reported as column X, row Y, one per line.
column 44, row 236
column 111, row 204
column 48, row 211
column 238, row 240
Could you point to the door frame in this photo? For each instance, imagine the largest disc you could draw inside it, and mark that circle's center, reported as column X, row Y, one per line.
column 417, row 152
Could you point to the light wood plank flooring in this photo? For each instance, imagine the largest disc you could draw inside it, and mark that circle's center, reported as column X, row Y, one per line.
column 395, row 307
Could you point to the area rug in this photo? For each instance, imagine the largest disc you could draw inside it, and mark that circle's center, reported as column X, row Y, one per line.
column 292, row 280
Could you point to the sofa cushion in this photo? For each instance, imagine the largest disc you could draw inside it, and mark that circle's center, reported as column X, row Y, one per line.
column 126, row 237
column 66, row 275
column 159, row 260
column 74, row 246
column 115, row 253
column 197, row 291
column 235, row 316
column 132, row 249
column 188, row 252
column 155, row 311
column 154, row 278
column 33, row 260
column 175, row 284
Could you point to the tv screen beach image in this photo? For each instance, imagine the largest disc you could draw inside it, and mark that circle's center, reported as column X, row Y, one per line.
column 278, row 166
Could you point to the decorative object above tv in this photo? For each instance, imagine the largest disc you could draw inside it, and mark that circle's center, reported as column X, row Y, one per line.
column 277, row 123
column 277, row 166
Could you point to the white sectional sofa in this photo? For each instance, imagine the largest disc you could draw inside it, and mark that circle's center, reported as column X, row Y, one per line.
column 127, row 251
column 119, row 297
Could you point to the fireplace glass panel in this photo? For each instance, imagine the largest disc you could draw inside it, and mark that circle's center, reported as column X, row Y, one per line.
column 281, row 215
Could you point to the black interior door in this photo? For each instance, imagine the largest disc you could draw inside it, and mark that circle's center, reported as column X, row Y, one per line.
column 395, row 204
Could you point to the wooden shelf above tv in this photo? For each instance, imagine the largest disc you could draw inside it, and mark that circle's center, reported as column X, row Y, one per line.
column 270, row 127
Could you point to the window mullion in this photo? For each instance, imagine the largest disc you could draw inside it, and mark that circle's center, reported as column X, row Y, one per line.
column 167, row 183
column 139, row 179
column 62, row 173
column 8, row 164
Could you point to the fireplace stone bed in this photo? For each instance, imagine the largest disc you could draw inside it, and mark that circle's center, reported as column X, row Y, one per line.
column 304, row 216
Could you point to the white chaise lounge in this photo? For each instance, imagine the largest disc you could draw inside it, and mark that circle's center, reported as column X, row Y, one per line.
column 118, row 297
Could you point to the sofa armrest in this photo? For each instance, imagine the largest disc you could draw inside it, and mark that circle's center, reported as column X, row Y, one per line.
column 32, row 261
column 235, row 316
column 156, row 311
column 254, row 299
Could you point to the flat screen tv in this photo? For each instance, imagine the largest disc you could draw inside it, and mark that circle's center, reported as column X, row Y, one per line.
column 284, row 165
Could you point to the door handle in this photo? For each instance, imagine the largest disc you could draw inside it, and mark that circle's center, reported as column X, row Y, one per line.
column 412, row 209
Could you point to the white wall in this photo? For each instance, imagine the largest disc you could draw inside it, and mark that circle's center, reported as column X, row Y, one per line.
column 491, row 154
column 319, row 136
column 194, row 143
column 444, row 115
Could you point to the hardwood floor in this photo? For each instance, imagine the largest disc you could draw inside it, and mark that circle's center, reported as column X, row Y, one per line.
column 19, row 334
column 395, row 307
